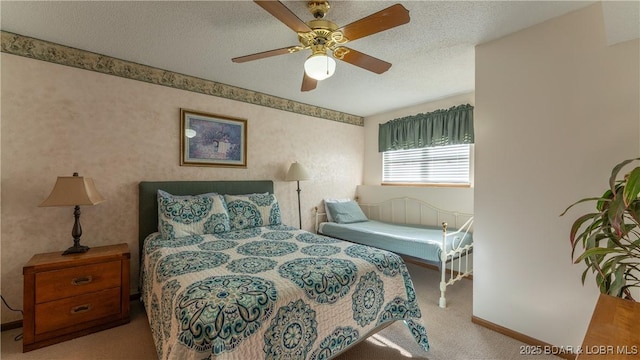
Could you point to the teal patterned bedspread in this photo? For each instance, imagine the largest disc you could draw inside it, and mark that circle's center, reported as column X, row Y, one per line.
column 273, row 292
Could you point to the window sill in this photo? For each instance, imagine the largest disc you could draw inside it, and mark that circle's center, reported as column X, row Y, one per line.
column 427, row 185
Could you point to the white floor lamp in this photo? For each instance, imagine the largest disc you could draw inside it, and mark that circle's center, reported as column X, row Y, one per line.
column 297, row 173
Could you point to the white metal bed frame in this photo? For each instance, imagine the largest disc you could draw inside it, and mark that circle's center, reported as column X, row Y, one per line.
column 417, row 212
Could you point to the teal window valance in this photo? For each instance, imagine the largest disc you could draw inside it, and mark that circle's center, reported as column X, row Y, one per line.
column 441, row 127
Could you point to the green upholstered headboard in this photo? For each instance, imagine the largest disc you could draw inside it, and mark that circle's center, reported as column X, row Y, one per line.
column 148, row 201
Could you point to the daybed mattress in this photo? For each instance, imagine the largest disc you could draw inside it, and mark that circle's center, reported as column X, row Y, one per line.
column 273, row 292
column 418, row 241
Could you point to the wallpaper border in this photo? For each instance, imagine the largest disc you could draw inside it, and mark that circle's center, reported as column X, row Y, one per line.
column 33, row 48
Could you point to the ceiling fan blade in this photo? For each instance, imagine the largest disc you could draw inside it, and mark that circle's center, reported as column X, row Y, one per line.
column 282, row 13
column 362, row 60
column 386, row 19
column 308, row 83
column 265, row 54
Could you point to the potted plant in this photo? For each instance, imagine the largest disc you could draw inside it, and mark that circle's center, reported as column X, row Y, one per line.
column 609, row 237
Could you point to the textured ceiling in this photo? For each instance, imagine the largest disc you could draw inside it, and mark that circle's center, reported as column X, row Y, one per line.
column 432, row 56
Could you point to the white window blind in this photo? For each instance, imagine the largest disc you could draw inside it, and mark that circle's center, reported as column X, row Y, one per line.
column 448, row 164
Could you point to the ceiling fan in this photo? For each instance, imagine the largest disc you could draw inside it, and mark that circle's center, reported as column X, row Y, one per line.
column 322, row 36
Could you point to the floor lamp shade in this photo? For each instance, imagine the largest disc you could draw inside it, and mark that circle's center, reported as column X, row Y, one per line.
column 297, row 173
column 74, row 191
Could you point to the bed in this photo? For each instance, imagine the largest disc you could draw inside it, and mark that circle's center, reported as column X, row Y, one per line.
column 258, row 289
column 415, row 229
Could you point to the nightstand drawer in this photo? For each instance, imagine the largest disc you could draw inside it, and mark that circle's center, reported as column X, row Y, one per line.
column 59, row 284
column 59, row 314
column 67, row 296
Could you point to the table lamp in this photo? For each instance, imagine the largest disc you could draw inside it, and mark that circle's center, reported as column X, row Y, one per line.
column 74, row 191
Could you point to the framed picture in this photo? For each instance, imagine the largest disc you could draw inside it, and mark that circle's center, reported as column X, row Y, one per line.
column 212, row 140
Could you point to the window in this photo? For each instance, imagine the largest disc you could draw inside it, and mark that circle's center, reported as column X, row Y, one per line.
column 448, row 164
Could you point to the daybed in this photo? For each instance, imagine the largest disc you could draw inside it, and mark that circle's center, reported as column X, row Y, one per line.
column 241, row 285
column 408, row 227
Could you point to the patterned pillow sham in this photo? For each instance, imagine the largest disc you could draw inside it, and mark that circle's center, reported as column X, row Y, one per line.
column 253, row 210
column 187, row 215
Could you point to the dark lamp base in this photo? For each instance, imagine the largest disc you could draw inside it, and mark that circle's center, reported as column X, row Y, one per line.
column 79, row 249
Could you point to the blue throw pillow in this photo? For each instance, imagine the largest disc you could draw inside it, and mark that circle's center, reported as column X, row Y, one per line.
column 346, row 212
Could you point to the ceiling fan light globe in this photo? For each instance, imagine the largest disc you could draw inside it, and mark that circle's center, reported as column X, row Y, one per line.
column 320, row 66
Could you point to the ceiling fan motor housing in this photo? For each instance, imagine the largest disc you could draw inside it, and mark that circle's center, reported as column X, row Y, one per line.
column 320, row 35
column 318, row 8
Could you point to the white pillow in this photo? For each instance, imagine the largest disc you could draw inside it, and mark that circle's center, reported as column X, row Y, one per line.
column 326, row 208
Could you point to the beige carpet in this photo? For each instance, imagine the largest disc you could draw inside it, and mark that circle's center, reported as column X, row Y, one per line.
column 451, row 334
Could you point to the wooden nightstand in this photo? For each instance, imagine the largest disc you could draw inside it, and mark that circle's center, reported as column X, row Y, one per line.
column 614, row 330
column 73, row 295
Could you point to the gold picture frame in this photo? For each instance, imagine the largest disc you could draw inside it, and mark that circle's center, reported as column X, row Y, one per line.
column 212, row 140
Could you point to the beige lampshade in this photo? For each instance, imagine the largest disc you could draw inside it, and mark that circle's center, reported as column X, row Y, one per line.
column 297, row 172
column 73, row 190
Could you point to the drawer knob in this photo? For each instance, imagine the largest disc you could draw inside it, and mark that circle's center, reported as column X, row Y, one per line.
column 80, row 309
column 81, row 280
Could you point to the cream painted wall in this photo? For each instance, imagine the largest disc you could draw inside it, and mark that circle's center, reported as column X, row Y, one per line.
column 459, row 199
column 57, row 120
column 557, row 108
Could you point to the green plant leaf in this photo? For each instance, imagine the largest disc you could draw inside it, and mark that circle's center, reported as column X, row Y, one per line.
column 592, row 233
column 583, row 200
column 616, row 211
column 615, row 289
column 594, row 252
column 584, row 274
column 632, row 189
column 604, row 282
column 604, row 201
column 577, row 224
column 616, row 170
